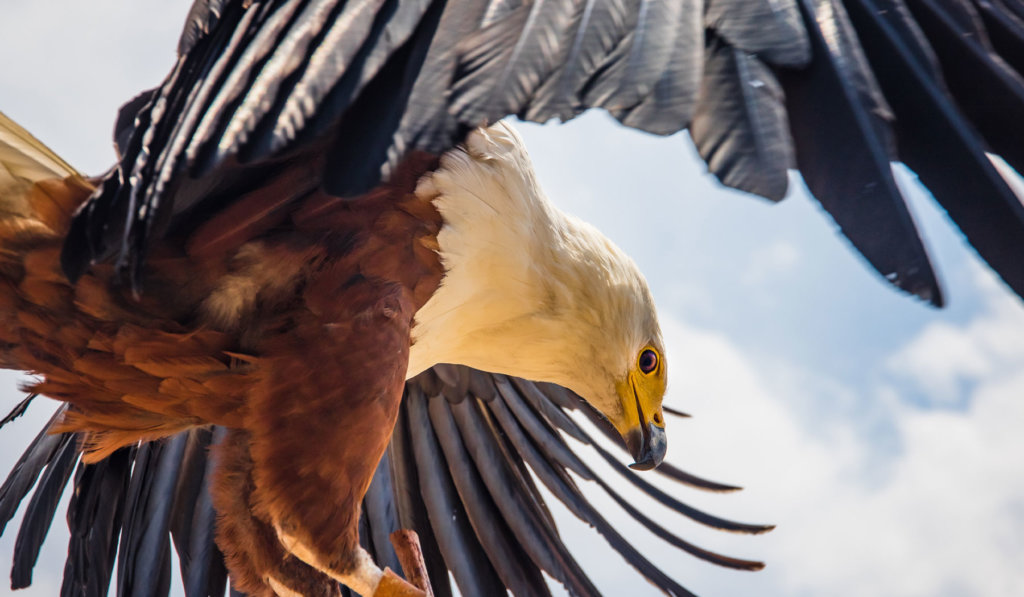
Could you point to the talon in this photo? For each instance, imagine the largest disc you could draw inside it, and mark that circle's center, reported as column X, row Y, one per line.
column 392, row 585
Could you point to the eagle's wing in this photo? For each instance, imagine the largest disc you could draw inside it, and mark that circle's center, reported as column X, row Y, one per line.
column 123, row 506
column 838, row 89
column 25, row 160
column 461, row 470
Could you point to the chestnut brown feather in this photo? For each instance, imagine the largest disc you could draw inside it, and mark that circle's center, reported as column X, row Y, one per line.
column 234, row 312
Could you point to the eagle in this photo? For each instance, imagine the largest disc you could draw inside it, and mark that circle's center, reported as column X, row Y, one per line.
column 317, row 255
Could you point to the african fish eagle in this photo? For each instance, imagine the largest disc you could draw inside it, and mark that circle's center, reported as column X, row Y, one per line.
column 289, row 236
column 467, row 264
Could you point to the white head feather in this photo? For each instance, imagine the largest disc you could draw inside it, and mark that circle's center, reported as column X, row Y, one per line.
column 529, row 291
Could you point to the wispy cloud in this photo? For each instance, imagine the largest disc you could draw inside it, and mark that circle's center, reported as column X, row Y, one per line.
column 946, row 360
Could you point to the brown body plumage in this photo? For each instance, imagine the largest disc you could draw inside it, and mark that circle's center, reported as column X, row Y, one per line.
column 292, row 328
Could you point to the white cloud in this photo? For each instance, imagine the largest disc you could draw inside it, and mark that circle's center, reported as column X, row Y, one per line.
column 872, row 494
column 940, row 359
column 945, row 358
column 777, row 260
column 941, row 513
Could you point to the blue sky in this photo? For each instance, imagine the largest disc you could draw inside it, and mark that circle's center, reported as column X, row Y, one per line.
column 880, row 435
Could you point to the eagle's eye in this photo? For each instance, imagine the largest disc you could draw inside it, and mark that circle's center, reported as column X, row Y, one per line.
column 648, row 361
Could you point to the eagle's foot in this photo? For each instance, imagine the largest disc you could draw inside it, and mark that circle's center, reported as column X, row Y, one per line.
column 364, row 577
column 294, row 578
column 259, row 564
column 392, row 585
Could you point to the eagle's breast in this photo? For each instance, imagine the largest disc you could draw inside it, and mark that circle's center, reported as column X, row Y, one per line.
column 286, row 263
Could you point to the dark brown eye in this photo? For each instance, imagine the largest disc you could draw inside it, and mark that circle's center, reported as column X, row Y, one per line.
column 648, row 361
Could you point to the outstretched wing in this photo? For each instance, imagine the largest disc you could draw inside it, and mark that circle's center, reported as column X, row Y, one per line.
column 838, row 89
column 461, row 470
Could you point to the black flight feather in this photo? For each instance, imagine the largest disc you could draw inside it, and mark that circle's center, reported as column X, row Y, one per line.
column 502, row 65
column 193, row 518
column 676, row 474
column 601, row 27
column 223, row 85
column 554, row 447
column 771, row 29
column 427, row 124
column 506, row 555
column 420, row 75
column 630, row 72
column 856, row 186
column 144, row 562
column 297, row 34
column 458, row 542
column 933, row 133
column 94, row 521
column 1005, row 30
column 664, row 534
column 202, row 16
column 379, row 512
column 522, row 510
column 338, row 71
column 668, row 501
column 410, row 506
column 18, row 410
column 543, row 404
column 740, row 126
column 985, row 87
column 40, row 511
column 364, row 137
column 25, row 472
column 669, row 106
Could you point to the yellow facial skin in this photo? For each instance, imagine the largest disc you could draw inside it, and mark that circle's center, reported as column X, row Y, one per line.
column 643, row 421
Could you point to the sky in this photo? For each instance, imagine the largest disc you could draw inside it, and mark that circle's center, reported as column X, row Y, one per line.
column 879, row 434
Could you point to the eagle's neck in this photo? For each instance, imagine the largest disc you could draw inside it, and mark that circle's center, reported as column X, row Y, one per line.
column 497, row 307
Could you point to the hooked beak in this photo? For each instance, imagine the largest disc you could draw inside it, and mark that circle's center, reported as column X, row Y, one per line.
column 646, row 442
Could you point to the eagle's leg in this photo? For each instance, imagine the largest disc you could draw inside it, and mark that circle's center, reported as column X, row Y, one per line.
column 317, row 439
column 363, row 578
column 366, row 578
column 260, row 566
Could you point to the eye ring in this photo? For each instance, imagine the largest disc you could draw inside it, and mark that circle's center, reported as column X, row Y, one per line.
column 648, row 361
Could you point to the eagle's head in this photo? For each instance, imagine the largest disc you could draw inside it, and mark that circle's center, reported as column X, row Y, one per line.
column 535, row 293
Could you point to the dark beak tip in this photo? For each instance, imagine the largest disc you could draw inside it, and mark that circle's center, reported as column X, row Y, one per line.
column 647, row 449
